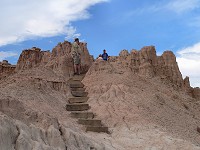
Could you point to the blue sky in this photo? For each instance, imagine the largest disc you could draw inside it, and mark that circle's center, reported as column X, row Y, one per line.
column 113, row 25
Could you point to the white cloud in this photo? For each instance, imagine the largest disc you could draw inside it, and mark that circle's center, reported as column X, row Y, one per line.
column 22, row 19
column 195, row 22
column 189, row 63
column 180, row 6
column 4, row 55
column 176, row 6
column 72, row 33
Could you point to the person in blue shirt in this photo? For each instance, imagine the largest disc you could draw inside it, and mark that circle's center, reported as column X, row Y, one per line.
column 105, row 55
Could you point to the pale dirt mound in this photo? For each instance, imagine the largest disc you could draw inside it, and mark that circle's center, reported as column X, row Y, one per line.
column 33, row 91
column 33, row 114
column 142, row 113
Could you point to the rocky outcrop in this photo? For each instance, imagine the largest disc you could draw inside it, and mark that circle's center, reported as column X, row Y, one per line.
column 187, row 87
column 194, row 92
column 5, row 62
column 164, row 65
column 147, row 59
column 6, row 69
column 146, row 63
column 33, row 57
column 169, row 68
column 63, row 61
column 59, row 60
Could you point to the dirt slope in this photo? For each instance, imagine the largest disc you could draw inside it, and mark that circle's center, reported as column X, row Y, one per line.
column 142, row 113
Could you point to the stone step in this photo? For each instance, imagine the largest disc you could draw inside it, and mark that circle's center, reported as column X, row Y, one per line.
column 90, row 122
column 77, row 107
column 79, row 93
column 76, row 84
column 85, row 115
column 97, row 129
column 77, row 100
column 78, row 89
column 78, row 77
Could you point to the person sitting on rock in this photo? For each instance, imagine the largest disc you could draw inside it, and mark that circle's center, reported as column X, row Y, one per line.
column 100, row 57
column 76, row 55
column 105, row 55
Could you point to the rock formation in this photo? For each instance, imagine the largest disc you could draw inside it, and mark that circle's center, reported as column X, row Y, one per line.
column 139, row 96
column 33, row 57
column 18, row 136
column 145, row 62
column 6, row 69
column 59, row 60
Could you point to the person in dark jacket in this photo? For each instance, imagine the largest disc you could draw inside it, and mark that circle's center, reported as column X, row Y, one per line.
column 105, row 55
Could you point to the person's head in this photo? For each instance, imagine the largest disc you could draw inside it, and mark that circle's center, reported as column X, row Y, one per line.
column 76, row 40
column 104, row 51
column 100, row 55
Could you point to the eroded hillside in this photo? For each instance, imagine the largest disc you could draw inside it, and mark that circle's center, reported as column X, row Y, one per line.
column 141, row 97
column 142, row 112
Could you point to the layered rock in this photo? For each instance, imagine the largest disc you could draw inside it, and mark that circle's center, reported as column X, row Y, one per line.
column 6, row 69
column 33, row 57
column 146, row 63
column 59, row 60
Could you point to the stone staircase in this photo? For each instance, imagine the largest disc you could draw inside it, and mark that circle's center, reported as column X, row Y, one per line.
column 79, row 107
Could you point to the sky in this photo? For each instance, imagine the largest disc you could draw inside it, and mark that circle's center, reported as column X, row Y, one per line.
column 113, row 25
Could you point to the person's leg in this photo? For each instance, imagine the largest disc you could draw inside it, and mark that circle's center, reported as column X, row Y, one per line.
column 79, row 65
column 75, row 69
column 79, row 68
column 75, row 65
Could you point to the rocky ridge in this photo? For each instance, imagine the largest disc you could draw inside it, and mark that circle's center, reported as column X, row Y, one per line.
column 146, row 63
column 141, row 97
